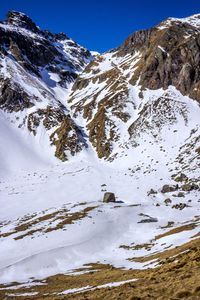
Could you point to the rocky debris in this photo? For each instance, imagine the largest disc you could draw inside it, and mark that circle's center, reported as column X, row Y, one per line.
column 151, row 192
column 187, row 187
column 180, row 194
column 109, row 197
column 164, row 110
column 101, row 128
column 150, row 220
column 180, row 177
column 180, row 206
column 167, row 201
column 169, row 188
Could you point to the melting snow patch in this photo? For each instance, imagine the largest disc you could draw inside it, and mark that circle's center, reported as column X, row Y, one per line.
column 91, row 288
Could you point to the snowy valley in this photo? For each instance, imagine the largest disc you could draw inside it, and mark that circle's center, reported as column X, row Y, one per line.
column 76, row 124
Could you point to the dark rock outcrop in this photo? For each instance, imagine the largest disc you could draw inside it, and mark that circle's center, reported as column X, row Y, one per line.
column 168, row 57
column 19, row 19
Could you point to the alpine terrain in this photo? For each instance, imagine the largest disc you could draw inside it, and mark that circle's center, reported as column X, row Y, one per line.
column 76, row 125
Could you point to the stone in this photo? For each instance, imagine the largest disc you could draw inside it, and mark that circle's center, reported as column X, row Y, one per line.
column 169, row 188
column 180, row 177
column 189, row 187
column 168, row 201
column 151, row 192
column 109, row 197
column 180, row 194
column 150, row 220
column 180, row 206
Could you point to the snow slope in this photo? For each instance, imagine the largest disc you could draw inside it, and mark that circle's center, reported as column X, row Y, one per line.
column 52, row 218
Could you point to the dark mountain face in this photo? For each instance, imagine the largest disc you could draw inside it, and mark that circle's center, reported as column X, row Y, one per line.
column 34, row 48
column 170, row 56
column 19, row 19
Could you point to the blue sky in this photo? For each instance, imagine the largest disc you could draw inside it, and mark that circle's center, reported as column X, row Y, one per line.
column 99, row 25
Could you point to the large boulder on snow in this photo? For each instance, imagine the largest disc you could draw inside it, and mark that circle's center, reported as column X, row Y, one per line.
column 109, row 197
column 169, row 188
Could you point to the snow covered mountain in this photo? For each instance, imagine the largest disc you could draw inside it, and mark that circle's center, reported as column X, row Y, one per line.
column 37, row 70
column 75, row 124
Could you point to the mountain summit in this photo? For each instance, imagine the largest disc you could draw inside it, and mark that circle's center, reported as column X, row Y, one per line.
column 21, row 20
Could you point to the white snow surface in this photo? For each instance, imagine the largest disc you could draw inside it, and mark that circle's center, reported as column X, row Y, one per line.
column 74, row 186
column 34, row 184
column 90, row 288
column 193, row 20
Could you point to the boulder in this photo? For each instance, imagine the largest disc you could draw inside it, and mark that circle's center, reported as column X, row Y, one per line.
column 151, row 192
column 169, row 188
column 189, row 187
column 168, row 201
column 180, row 206
column 109, row 197
column 180, row 177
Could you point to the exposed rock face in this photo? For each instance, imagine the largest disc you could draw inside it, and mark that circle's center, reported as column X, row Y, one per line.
column 170, row 57
column 68, row 138
column 109, row 197
column 19, row 19
column 13, row 97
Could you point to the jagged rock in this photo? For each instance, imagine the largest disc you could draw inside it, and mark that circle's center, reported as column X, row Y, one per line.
column 165, row 61
column 13, row 97
column 169, row 188
column 19, row 19
column 109, row 197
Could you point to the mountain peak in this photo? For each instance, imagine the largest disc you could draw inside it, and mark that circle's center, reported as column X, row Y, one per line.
column 193, row 20
column 20, row 19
